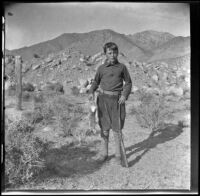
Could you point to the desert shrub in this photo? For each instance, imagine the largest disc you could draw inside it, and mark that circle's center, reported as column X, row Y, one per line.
column 46, row 111
column 152, row 112
column 33, row 117
column 12, row 90
column 43, row 112
column 28, row 87
column 26, row 96
column 56, row 87
column 23, row 149
column 75, row 91
column 38, row 97
column 80, row 135
column 36, row 55
column 25, row 87
column 66, row 114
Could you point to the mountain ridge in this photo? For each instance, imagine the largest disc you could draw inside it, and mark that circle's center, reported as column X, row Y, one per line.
column 140, row 46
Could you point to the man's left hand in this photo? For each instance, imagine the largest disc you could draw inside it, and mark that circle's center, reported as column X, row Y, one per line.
column 122, row 100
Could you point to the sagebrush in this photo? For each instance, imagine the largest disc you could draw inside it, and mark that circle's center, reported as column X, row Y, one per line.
column 66, row 114
column 58, row 108
column 23, row 150
column 152, row 111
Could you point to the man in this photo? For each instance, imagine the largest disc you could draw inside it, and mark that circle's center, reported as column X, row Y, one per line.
column 115, row 86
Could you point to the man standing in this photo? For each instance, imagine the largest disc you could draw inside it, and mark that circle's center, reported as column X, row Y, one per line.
column 115, row 85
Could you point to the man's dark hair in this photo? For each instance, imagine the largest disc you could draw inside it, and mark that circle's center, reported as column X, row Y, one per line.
column 111, row 46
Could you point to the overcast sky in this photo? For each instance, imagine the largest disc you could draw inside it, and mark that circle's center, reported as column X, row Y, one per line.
column 32, row 23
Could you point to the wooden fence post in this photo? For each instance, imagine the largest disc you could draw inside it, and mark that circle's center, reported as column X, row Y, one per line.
column 18, row 74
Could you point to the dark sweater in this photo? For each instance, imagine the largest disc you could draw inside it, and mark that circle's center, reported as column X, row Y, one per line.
column 110, row 77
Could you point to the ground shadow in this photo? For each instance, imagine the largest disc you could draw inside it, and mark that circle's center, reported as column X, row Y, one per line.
column 160, row 136
column 70, row 160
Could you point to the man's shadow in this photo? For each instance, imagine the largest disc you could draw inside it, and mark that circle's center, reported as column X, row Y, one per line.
column 160, row 136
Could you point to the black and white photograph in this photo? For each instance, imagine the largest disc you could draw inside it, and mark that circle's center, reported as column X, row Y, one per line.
column 97, row 96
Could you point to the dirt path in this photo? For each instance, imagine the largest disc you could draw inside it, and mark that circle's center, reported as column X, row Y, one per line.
column 161, row 161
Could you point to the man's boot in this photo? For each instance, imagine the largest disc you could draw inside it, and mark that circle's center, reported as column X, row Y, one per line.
column 103, row 155
column 104, row 150
column 117, row 140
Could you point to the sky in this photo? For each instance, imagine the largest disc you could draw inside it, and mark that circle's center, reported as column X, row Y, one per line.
column 31, row 23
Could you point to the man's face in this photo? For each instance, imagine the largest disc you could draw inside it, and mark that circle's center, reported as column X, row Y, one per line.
column 111, row 55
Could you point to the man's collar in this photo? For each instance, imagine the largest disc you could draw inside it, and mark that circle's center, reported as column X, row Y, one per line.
column 107, row 64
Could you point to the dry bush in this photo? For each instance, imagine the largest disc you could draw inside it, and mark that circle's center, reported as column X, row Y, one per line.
column 75, row 91
column 33, row 117
column 44, row 96
column 152, row 111
column 38, row 97
column 67, row 115
column 26, row 96
column 80, row 135
column 55, row 87
column 28, row 87
column 23, row 149
column 43, row 112
column 11, row 90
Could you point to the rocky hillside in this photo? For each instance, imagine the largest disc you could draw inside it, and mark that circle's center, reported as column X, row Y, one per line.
column 143, row 46
column 74, row 57
column 175, row 47
column 88, row 43
column 149, row 40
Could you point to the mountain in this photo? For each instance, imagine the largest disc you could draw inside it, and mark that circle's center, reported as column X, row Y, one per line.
column 87, row 43
column 146, row 46
column 44, row 48
column 149, row 40
column 175, row 47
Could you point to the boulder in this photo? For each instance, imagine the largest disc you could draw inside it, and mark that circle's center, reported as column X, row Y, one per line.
column 36, row 66
column 134, row 88
column 155, row 77
column 8, row 84
column 48, row 60
column 178, row 91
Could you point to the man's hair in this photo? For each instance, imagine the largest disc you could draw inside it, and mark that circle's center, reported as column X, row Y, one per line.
column 111, row 46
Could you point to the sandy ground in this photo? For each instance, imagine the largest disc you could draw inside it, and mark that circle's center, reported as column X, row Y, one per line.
column 161, row 161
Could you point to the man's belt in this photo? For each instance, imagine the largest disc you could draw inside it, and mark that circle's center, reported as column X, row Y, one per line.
column 109, row 92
